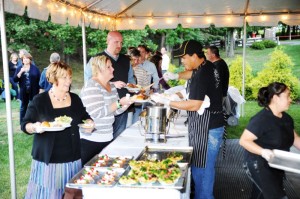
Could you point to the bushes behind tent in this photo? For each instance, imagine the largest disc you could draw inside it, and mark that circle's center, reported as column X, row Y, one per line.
column 236, row 76
column 278, row 68
column 260, row 45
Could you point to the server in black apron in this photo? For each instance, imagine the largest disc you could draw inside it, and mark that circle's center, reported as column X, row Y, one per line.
column 206, row 130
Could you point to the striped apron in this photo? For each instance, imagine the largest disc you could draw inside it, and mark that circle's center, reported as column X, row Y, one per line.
column 198, row 136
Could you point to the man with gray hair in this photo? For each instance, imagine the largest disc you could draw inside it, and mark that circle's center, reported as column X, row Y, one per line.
column 44, row 84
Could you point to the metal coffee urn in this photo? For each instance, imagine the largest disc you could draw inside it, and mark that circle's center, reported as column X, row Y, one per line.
column 155, row 122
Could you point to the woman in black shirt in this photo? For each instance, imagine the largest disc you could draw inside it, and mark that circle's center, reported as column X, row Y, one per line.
column 56, row 155
column 271, row 128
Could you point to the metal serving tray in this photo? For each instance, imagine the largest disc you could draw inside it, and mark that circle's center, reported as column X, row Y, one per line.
column 287, row 161
column 96, row 178
column 110, row 163
column 179, row 185
column 159, row 153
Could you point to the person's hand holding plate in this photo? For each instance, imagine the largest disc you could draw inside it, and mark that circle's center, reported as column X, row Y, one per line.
column 87, row 126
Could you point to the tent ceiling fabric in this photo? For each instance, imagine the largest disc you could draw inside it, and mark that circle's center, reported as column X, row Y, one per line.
column 136, row 14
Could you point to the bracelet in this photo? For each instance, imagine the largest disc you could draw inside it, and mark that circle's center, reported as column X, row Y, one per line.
column 119, row 105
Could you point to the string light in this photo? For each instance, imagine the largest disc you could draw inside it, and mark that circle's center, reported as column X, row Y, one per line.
column 61, row 6
column 284, row 17
column 263, row 18
column 39, row 2
column 169, row 21
column 189, row 20
column 208, row 20
column 229, row 19
column 63, row 9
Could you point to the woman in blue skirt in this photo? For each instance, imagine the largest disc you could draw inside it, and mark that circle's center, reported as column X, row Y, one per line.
column 55, row 150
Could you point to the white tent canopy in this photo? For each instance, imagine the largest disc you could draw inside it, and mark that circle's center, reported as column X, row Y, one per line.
column 136, row 14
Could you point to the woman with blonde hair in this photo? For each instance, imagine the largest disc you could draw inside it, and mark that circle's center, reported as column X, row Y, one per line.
column 12, row 65
column 56, row 155
column 102, row 102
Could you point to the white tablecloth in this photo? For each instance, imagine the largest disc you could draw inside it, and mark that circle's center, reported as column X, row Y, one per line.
column 131, row 143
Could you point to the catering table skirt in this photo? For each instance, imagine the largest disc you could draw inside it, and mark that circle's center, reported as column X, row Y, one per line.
column 132, row 143
column 131, row 193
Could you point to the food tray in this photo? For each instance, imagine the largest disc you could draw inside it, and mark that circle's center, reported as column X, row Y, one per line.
column 95, row 182
column 111, row 162
column 287, row 161
column 179, row 185
column 159, row 153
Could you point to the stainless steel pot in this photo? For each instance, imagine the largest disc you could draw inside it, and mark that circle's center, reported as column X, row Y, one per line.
column 155, row 121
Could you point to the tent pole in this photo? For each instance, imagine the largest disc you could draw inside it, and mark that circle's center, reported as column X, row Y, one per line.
column 244, row 63
column 83, row 41
column 7, row 102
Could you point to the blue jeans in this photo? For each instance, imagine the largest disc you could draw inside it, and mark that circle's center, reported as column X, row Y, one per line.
column 136, row 114
column 120, row 124
column 204, row 178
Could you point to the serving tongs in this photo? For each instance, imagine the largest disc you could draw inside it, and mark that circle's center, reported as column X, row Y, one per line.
column 144, row 88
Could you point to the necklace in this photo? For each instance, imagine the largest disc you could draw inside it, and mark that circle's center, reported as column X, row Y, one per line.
column 56, row 98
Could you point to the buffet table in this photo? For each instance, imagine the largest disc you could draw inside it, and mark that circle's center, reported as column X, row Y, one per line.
column 132, row 143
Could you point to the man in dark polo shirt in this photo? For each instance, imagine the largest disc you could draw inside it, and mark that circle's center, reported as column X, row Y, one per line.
column 123, row 74
column 213, row 55
column 205, row 128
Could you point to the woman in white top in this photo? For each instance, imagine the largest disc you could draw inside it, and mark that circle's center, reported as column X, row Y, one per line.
column 102, row 102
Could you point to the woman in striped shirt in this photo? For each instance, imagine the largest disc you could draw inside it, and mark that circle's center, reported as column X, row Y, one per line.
column 102, row 102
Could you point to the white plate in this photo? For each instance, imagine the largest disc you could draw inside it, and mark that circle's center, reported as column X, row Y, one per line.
column 133, row 89
column 59, row 128
column 141, row 101
column 84, row 126
column 287, row 161
column 86, row 130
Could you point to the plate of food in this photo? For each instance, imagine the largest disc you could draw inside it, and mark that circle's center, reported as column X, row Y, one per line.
column 55, row 128
column 133, row 87
column 140, row 98
column 86, row 128
column 59, row 124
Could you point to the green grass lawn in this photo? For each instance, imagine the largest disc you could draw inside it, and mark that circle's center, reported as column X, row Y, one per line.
column 251, row 108
column 23, row 142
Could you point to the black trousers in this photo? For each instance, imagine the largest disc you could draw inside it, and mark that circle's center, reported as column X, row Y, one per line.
column 89, row 149
column 267, row 181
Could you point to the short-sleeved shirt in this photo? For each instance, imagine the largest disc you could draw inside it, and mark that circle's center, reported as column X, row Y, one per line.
column 222, row 67
column 272, row 132
column 206, row 81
